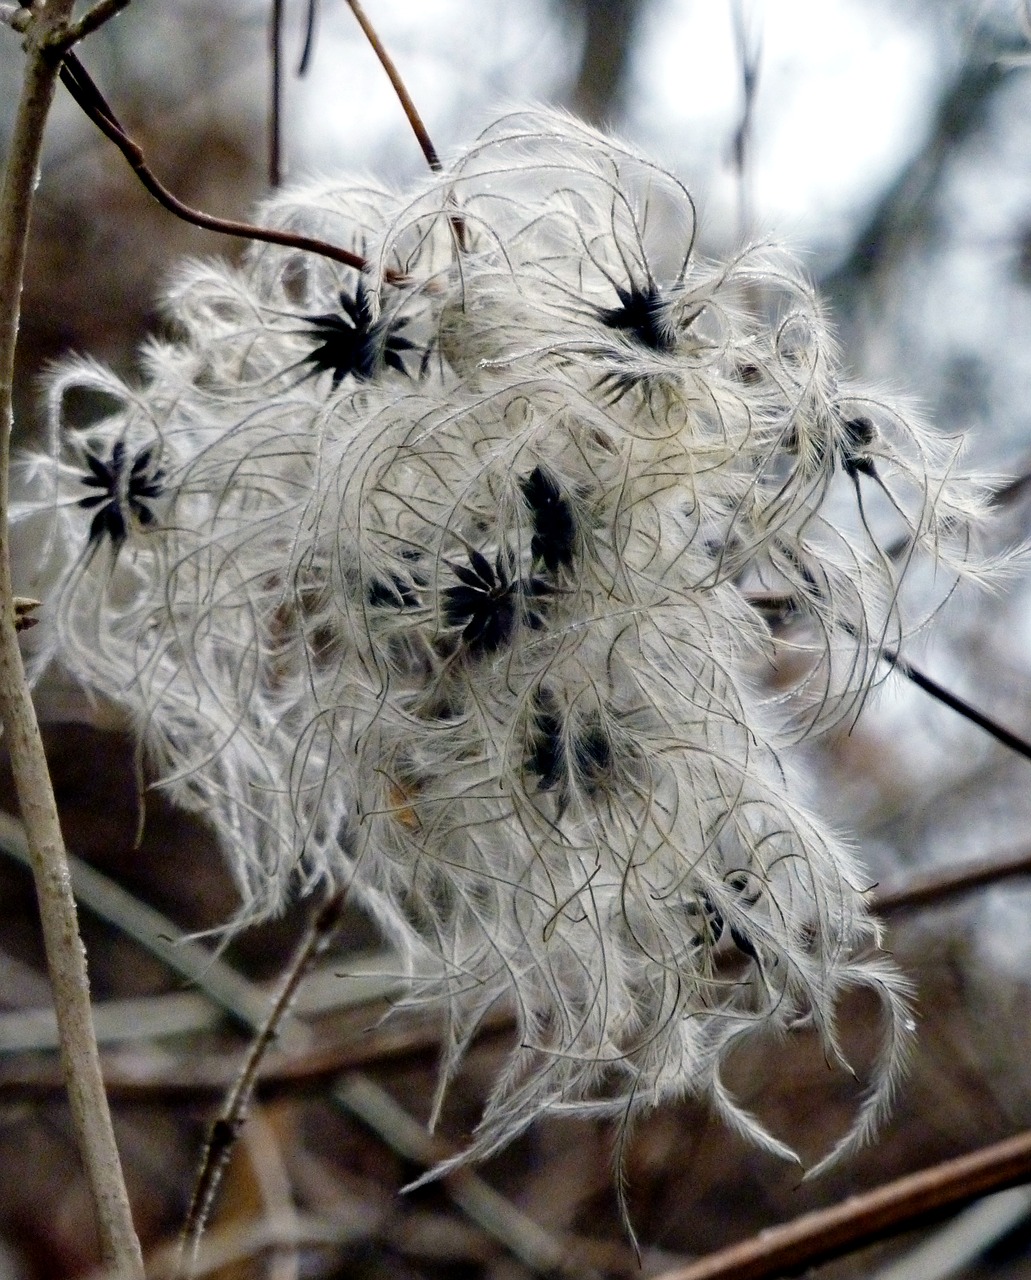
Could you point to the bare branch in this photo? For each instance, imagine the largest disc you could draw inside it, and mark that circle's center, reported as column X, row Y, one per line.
column 66, row 958
column 861, row 1220
column 895, row 220
column 85, row 92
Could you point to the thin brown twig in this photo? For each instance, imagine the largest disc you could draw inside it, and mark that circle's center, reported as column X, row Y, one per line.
column 66, row 958
column 411, row 112
column 85, row 92
column 226, row 1128
column 888, row 1210
column 398, row 85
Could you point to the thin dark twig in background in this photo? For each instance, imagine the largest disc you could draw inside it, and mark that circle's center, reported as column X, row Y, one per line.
column 226, row 1128
column 888, row 1210
column 749, row 52
column 85, row 92
column 960, row 705
column 310, row 28
column 776, row 607
column 275, row 104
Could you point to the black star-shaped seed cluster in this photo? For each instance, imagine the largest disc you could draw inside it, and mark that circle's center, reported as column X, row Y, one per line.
column 554, row 526
column 126, row 490
column 642, row 314
column 351, row 343
column 487, row 601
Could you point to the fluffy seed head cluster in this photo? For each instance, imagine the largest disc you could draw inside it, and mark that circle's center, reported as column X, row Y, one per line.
column 454, row 581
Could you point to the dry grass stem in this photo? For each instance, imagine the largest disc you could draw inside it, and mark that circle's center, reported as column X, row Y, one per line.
column 245, row 1004
column 503, row 1220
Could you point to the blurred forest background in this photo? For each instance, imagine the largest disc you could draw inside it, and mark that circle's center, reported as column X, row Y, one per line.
column 890, row 142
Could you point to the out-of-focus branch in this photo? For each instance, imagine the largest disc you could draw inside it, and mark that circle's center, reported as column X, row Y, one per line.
column 898, row 215
column 610, row 27
column 90, row 21
column 748, row 46
column 148, row 1076
column 310, row 27
column 196, row 963
column 897, row 1206
column 958, row 1245
column 228, row 1249
column 66, row 958
column 527, row 1241
column 929, row 887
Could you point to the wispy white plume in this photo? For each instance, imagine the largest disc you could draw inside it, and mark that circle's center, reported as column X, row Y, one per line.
column 454, row 582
